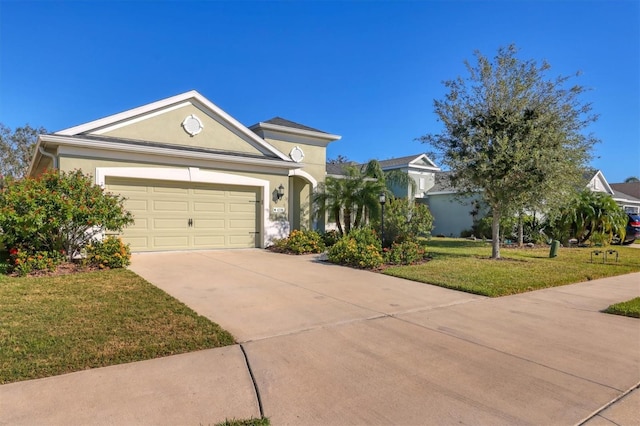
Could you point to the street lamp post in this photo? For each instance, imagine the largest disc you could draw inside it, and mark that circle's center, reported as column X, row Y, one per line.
column 383, row 200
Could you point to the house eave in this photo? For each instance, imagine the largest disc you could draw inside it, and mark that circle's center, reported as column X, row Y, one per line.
column 301, row 132
column 132, row 114
column 48, row 141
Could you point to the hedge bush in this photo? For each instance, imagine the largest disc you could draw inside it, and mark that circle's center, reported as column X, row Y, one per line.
column 404, row 253
column 300, row 242
column 361, row 248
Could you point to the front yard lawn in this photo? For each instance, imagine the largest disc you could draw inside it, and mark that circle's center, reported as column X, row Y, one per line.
column 630, row 308
column 57, row 325
column 466, row 265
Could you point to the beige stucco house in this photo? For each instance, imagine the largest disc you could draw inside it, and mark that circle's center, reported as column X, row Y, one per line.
column 193, row 176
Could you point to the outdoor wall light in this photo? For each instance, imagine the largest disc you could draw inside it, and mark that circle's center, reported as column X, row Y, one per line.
column 280, row 192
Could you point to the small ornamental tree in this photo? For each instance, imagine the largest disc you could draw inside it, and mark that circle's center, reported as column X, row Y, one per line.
column 58, row 212
column 405, row 220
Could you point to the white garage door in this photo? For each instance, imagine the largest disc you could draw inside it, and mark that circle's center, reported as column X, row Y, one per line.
column 185, row 215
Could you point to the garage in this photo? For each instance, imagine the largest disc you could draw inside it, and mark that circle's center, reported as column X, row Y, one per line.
column 187, row 215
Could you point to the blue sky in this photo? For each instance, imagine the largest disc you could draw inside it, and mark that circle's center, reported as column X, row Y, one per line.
column 366, row 70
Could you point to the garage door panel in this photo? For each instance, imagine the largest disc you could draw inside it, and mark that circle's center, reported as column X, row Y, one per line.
column 209, row 193
column 216, row 224
column 209, row 241
column 212, row 207
column 238, row 241
column 136, row 204
column 248, row 207
column 140, row 223
column 239, row 224
column 171, row 242
column 170, row 224
column 139, row 243
column 175, row 191
column 170, row 206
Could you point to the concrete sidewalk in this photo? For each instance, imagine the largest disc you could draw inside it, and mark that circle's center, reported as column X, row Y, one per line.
column 333, row 345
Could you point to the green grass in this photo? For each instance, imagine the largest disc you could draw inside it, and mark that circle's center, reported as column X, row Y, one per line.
column 56, row 325
column 630, row 308
column 466, row 265
column 264, row 421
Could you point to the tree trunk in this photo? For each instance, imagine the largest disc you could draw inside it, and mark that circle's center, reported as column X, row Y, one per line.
column 520, row 231
column 495, row 235
column 336, row 214
column 347, row 220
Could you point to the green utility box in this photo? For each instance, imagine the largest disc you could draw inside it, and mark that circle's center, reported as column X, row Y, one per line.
column 555, row 245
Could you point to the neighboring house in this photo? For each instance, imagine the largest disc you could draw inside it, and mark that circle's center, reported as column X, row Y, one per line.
column 453, row 213
column 627, row 195
column 193, row 176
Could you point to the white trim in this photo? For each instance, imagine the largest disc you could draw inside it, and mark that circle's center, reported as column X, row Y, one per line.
column 172, row 152
column 305, row 175
column 97, row 125
column 193, row 174
column 138, row 119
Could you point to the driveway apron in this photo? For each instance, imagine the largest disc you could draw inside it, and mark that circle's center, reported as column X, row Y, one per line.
column 322, row 344
column 334, row 345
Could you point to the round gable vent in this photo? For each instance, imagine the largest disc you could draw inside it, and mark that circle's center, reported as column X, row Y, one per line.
column 192, row 125
column 296, row 154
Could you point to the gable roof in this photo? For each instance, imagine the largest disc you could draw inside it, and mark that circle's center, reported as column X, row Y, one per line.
column 282, row 125
column 442, row 183
column 416, row 160
column 279, row 121
column 629, row 188
column 133, row 115
column 593, row 176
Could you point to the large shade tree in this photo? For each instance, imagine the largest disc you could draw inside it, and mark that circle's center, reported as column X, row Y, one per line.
column 514, row 134
column 16, row 149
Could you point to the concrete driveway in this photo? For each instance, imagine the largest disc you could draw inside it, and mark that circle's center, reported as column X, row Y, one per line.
column 333, row 345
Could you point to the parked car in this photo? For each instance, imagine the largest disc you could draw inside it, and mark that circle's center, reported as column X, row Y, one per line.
column 633, row 229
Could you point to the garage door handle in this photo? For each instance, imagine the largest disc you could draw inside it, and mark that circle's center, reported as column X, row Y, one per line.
column 190, row 222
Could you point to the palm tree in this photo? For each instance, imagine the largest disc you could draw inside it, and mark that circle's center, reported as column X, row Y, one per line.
column 631, row 179
column 352, row 200
column 329, row 199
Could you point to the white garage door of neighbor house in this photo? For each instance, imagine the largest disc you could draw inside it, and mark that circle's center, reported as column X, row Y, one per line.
column 187, row 216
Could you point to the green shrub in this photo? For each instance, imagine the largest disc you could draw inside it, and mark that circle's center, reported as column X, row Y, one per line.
column 57, row 211
column 330, row 237
column 300, row 242
column 361, row 248
column 23, row 262
column 405, row 220
column 108, row 253
column 404, row 253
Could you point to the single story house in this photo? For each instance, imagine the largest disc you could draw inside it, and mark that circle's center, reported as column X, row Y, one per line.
column 193, row 176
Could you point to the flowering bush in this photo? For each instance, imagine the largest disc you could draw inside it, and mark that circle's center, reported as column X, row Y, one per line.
column 24, row 262
column 108, row 253
column 57, row 211
column 404, row 253
column 300, row 242
column 361, row 248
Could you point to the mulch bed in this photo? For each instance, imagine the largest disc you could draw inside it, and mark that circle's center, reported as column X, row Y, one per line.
column 62, row 269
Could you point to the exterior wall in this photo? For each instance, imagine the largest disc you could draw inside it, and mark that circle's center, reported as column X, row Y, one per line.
column 301, row 217
column 315, row 156
column 167, row 128
column 450, row 215
column 424, row 182
column 276, row 224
